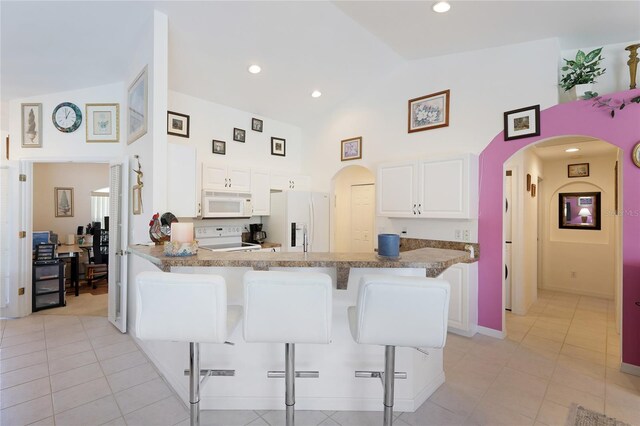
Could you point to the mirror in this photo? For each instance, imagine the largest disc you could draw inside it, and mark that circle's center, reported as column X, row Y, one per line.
column 579, row 210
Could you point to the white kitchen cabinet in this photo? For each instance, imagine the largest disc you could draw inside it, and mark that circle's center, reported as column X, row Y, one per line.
column 183, row 199
column 225, row 178
column 441, row 188
column 260, row 192
column 290, row 182
column 463, row 305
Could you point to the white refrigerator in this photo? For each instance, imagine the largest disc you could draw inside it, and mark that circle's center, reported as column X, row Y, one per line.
column 294, row 211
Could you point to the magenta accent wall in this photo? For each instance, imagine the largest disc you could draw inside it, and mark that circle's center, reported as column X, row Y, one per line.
column 574, row 118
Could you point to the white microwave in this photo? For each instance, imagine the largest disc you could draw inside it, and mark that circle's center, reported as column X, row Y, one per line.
column 226, row 204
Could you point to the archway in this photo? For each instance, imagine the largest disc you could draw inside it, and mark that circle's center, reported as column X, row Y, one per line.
column 353, row 195
column 575, row 118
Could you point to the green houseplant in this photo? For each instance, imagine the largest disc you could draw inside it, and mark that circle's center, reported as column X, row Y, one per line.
column 584, row 69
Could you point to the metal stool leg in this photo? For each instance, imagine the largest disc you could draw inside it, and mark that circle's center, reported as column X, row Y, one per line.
column 389, row 376
column 194, row 383
column 289, row 380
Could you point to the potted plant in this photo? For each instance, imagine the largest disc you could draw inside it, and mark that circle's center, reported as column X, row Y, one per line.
column 581, row 73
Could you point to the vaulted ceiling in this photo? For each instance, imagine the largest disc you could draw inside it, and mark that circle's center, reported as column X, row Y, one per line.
column 336, row 47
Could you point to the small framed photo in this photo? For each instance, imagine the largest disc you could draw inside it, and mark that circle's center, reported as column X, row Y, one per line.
column 278, row 147
column 522, row 123
column 429, row 112
column 256, row 125
column 177, row 124
column 239, row 135
column 136, row 199
column 219, row 147
column 63, row 202
column 533, row 190
column 578, row 170
column 528, row 182
column 351, row 149
column 103, row 122
column 585, row 201
column 31, row 125
column 137, row 107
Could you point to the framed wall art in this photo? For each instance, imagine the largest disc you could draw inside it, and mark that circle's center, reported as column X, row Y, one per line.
column 578, row 170
column 351, row 149
column 219, row 147
column 256, row 125
column 239, row 135
column 429, row 112
column 103, row 122
column 177, row 124
column 31, row 125
column 522, row 123
column 528, row 182
column 137, row 108
column 278, row 147
column 63, row 198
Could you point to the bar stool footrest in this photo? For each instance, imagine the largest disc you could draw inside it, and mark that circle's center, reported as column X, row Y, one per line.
column 225, row 373
column 279, row 374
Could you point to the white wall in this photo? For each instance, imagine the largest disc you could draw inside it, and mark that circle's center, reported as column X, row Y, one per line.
column 210, row 121
column 524, row 254
column 590, row 254
column 83, row 178
column 616, row 77
column 484, row 84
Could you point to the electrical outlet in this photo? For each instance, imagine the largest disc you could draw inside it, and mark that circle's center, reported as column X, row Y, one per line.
column 458, row 235
column 573, row 274
column 466, row 235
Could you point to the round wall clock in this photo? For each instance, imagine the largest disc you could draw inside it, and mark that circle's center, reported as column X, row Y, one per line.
column 635, row 155
column 67, row 117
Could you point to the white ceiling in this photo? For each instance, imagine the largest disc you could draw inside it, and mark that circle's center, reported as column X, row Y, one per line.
column 336, row 47
column 554, row 149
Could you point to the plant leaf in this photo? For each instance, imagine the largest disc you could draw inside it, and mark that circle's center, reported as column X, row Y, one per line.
column 613, row 113
column 580, row 57
column 592, row 55
column 622, row 106
column 636, row 100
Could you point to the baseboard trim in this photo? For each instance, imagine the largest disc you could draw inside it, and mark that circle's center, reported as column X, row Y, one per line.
column 498, row 334
column 630, row 369
column 579, row 292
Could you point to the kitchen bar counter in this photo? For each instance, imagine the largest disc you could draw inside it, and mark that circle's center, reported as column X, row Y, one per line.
column 433, row 260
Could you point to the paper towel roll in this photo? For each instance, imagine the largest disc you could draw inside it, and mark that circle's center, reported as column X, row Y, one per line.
column 389, row 245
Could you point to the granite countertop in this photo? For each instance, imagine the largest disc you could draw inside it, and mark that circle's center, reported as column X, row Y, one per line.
column 435, row 260
column 267, row 244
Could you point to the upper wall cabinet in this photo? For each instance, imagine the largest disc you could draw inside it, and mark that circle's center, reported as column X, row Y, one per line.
column 260, row 192
column 290, row 182
column 182, row 197
column 443, row 188
column 222, row 178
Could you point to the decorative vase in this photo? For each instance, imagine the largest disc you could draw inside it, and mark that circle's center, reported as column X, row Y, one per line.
column 578, row 91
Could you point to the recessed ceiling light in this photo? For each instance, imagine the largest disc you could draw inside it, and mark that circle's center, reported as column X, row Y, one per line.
column 572, row 150
column 316, row 94
column 255, row 69
column 441, row 7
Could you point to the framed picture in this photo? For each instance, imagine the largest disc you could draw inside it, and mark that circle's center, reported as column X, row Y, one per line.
column 219, row 147
column 579, row 210
column 256, row 125
column 528, row 182
column 278, row 147
column 429, row 112
column 31, row 125
column 522, row 123
column 137, row 107
column 533, row 190
column 63, row 202
column 177, row 124
column 136, row 199
column 238, row 135
column 103, row 122
column 578, row 170
column 351, row 149
column 635, row 155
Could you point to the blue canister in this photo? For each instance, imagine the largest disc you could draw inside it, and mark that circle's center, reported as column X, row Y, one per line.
column 389, row 245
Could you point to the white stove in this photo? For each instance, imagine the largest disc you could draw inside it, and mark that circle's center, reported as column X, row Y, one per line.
column 223, row 238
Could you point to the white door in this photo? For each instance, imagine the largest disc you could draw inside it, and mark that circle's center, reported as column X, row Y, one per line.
column 118, row 240
column 362, row 216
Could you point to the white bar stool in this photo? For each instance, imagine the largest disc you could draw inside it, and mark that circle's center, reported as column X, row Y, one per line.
column 399, row 311
column 186, row 308
column 289, row 308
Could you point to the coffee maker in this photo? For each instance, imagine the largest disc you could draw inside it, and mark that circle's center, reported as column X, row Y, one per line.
column 257, row 234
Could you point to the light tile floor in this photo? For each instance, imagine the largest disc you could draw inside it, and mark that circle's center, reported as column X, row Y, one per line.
column 77, row 370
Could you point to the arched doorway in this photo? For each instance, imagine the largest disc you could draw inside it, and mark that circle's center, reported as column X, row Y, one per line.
column 353, row 210
column 575, row 118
